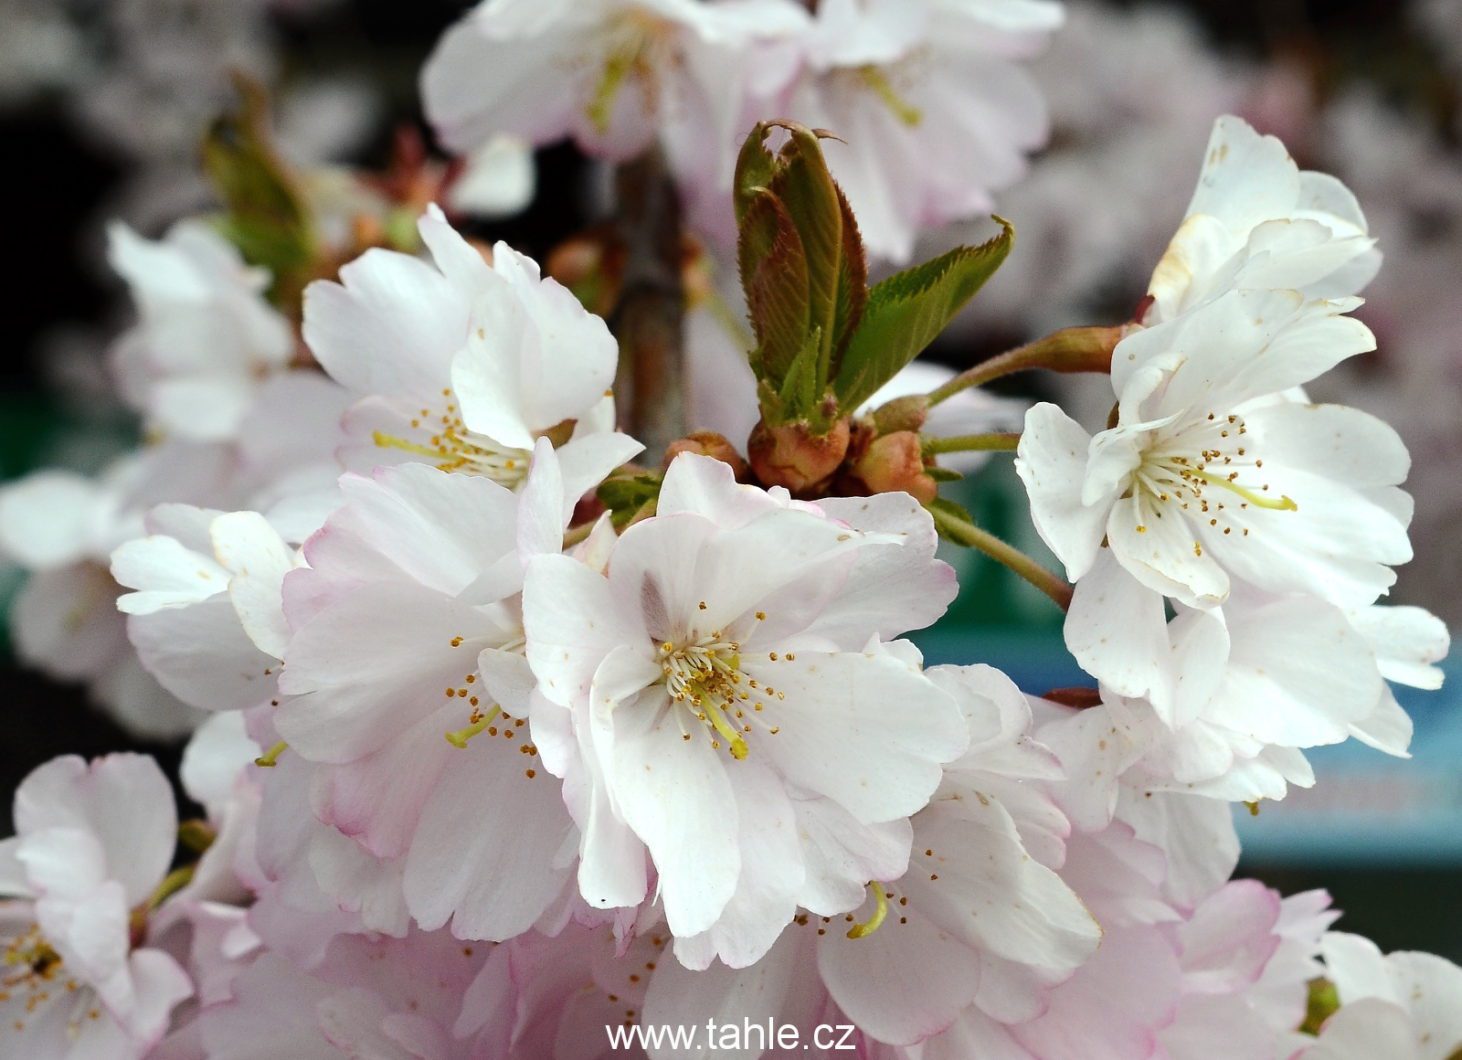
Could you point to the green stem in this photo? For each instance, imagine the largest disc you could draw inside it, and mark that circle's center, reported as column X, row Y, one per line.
column 171, row 884
column 1081, row 349
column 1001, row 442
column 968, row 534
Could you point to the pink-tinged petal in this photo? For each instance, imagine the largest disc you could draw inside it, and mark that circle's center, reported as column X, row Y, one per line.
column 377, row 798
column 1051, row 461
column 495, row 875
column 272, row 1014
column 672, row 564
column 1129, row 988
column 680, row 997
column 984, row 889
column 390, row 327
column 572, row 621
column 364, row 889
column 166, row 575
column 705, row 486
column 925, row 976
column 1363, row 1030
column 92, row 937
column 1229, row 939
column 772, row 873
column 443, row 530
column 160, row 984
column 1130, row 656
column 676, row 796
column 866, row 731
column 49, row 519
column 202, row 655
column 258, row 559
column 892, row 588
column 65, row 863
column 369, row 666
column 842, row 854
column 123, row 800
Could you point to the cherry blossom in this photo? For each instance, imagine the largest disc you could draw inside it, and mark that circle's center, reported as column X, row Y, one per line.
column 188, row 373
column 94, row 842
column 738, row 674
column 463, row 364
column 1404, row 1004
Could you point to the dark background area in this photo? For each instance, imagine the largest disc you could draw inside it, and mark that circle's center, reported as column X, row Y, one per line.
column 55, row 182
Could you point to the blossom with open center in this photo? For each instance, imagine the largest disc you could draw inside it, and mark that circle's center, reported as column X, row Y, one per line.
column 1211, row 471
column 465, row 365
column 414, row 576
column 719, row 683
column 77, row 976
column 611, row 74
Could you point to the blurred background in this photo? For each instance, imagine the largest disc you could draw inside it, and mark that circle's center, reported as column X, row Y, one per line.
column 103, row 104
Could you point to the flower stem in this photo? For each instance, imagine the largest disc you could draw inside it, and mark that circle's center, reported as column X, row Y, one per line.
column 648, row 319
column 1002, row 442
column 1080, row 349
column 966, row 533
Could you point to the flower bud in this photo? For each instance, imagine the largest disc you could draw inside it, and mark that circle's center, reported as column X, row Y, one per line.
column 708, row 443
column 790, row 455
column 894, row 462
column 906, row 413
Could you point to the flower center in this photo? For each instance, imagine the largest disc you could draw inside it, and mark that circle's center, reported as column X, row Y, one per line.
column 877, row 79
column 445, row 439
column 704, row 676
column 34, row 971
column 1199, row 469
column 634, row 44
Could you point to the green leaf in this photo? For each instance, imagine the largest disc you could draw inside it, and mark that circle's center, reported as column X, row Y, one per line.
column 774, row 277
column 799, row 396
column 805, row 186
column 265, row 214
column 907, row 311
column 755, row 167
column 802, row 267
column 951, row 508
column 852, row 285
column 625, row 496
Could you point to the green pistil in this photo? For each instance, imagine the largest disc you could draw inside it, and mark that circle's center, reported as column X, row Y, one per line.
column 902, row 109
column 880, row 910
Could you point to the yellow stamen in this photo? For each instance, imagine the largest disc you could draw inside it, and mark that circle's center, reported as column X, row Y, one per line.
column 390, row 441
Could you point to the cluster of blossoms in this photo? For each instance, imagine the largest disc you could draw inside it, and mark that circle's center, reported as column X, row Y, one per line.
column 521, row 740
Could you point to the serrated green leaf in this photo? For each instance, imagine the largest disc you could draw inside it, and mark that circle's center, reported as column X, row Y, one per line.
column 755, row 167
column 907, row 311
column 774, row 277
column 805, row 186
column 852, row 284
column 800, row 393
